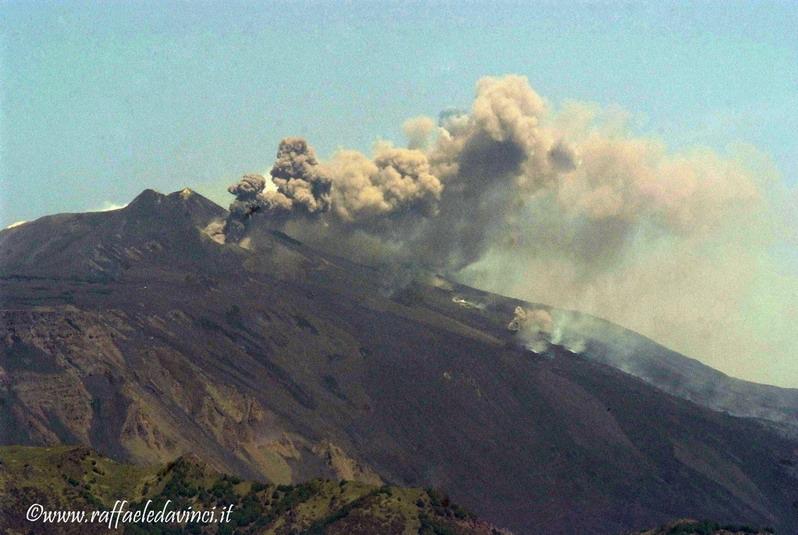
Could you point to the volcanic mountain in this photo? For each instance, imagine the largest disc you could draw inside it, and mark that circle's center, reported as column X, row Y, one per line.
column 137, row 333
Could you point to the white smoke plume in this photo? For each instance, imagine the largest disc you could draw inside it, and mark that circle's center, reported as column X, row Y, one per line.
column 562, row 205
column 538, row 329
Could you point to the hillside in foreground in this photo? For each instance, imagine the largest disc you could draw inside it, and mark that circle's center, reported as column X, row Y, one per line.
column 76, row 478
column 704, row 527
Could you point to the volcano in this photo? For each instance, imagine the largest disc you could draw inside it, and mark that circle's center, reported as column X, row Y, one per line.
column 136, row 333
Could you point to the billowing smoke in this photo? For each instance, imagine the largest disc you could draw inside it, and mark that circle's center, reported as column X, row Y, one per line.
column 561, row 205
column 247, row 203
column 394, row 181
column 302, row 184
column 301, row 188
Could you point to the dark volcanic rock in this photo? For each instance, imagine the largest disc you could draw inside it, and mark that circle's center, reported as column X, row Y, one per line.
column 136, row 333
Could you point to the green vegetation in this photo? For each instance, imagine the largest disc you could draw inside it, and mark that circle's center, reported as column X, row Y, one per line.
column 78, row 478
column 706, row 527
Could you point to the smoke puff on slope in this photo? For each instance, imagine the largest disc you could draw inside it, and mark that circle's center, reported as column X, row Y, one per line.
column 562, row 206
column 538, row 329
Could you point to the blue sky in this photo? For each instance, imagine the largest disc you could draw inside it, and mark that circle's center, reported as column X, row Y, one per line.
column 100, row 100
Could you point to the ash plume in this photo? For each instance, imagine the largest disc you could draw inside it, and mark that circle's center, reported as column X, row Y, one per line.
column 556, row 204
column 302, row 184
column 418, row 132
column 300, row 187
column 246, row 204
column 393, row 181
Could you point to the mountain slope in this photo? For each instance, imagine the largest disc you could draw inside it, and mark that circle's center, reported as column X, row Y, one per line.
column 668, row 370
column 138, row 334
column 689, row 379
